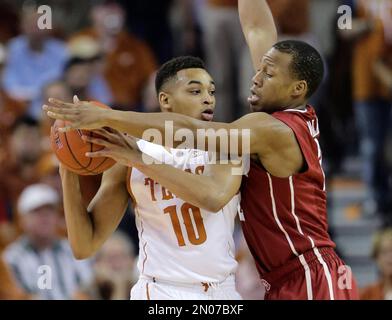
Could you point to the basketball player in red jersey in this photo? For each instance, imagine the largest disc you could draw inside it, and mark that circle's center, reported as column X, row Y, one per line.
column 283, row 196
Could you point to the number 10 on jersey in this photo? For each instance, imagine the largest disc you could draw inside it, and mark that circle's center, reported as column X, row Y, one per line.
column 193, row 222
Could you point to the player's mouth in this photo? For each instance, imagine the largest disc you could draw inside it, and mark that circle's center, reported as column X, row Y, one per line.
column 254, row 98
column 207, row 115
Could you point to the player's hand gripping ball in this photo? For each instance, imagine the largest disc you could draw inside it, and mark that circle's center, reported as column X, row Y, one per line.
column 70, row 149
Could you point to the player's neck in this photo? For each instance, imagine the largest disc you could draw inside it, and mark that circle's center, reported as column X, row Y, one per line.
column 297, row 105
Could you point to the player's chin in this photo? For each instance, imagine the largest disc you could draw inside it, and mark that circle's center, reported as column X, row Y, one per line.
column 256, row 108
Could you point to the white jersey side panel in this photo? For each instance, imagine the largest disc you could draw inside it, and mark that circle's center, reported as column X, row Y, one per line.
column 178, row 241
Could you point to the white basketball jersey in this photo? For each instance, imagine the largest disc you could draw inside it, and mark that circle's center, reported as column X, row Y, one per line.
column 178, row 241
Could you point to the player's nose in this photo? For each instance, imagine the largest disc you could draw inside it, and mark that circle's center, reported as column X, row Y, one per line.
column 208, row 99
column 257, row 80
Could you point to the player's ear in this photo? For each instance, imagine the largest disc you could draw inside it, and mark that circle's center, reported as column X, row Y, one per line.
column 300, row 88
column 164, row 101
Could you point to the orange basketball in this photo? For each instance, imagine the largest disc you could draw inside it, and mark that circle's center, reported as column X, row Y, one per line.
column 70, row 149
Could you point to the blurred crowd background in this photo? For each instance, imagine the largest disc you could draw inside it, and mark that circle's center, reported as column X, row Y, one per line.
column 109, row 51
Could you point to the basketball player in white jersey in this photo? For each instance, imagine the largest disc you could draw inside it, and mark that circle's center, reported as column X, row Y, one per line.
column 185, row 252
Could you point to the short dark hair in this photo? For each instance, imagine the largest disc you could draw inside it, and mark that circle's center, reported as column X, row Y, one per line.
column 169, row 69
column 307, row 63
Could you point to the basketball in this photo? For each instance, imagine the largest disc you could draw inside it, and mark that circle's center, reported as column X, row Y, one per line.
column 70, row 149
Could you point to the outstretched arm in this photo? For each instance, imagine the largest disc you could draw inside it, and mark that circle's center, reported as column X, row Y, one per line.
column 89, row 228
column 256, row 133
column 258, row 27
column 85, row 115
column 211, row 188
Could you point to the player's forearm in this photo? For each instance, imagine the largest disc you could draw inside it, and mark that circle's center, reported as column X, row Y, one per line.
column 138, row 124
column 256, row 14
column 167, row 124
column 80, row 228
column 258, row 27
column 173, row 128
column 199, row 190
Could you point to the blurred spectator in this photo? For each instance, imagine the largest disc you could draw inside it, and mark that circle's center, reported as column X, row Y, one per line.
column 149, row 20
column 18, row 159
column 9, row 21
column 227, row 57
column 40, row 246
column 27, row 69
column 86, row 51
column 185, row 19
column 79, row 76
column 382, row 253
column 10, row 110
column 48, row 171
column 115, row 270
column 340, row 123
column 372, row 31
column 67, row 15
column 9, row 290
column 59, row 90
column 291, row 17
column 129, row 62
column 23, row 153
column 47, row 167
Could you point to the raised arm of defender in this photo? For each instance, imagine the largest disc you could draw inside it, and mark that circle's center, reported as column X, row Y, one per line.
column 258, row 27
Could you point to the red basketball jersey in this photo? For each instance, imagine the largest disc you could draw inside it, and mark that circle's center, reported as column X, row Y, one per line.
column 285, row 217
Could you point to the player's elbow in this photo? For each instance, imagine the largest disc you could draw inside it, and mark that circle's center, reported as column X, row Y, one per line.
column 82, row 253
column 215, row 201
column 80, row 256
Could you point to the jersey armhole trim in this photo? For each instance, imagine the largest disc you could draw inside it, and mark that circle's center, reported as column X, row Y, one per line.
column 129, row 188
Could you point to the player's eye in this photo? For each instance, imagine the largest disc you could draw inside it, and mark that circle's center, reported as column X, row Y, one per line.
column 195, row 92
